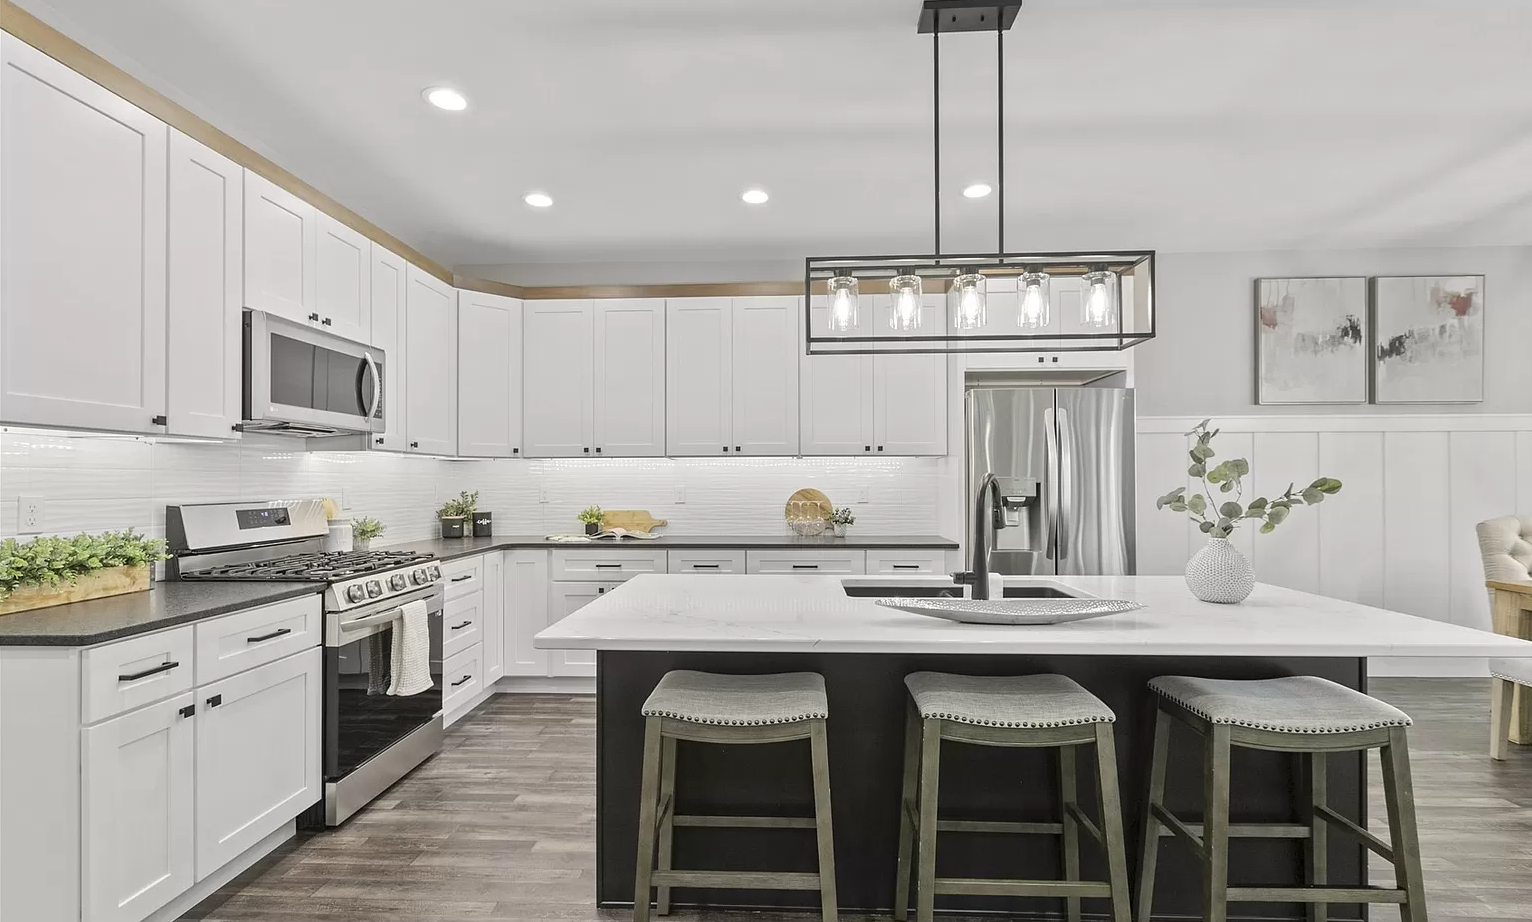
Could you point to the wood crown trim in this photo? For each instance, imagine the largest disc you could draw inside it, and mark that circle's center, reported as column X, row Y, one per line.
column 700, row 290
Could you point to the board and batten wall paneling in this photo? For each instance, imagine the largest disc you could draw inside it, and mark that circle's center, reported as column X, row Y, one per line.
column 1353, row 523
column 1228, row 445
column 1163, row 541
column 1481, row 485
column 1524, row 473
column 1417, row 523
column 1288, row 556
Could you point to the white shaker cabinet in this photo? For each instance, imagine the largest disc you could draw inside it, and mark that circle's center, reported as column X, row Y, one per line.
column 204, row 287
column 343, row 288
column 281, row 250
column 565, row 599
column 629, row 385
column 489, row 356
column 699, row 358
column 82, row 272
column 909, row 392
column 390, row 333
column 765, row 385
column 558, row 410
column 835, row 415
column 493, row 638
column 430, row 375
column 526, row 611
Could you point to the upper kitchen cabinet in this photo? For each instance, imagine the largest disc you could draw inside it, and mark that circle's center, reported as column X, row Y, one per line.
column 343, row 297
column 630, row 378
column 699, row 359
column 430, row 413
column 765, row 385
column 558, row 414
column 732, row 376
column 204, row 386
column 82, row 271
column 390, row 333
column 489, row 357
column 281, row 252
column 909, row 392
column 835, row 415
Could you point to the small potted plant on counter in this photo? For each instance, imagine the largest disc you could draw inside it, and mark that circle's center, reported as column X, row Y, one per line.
column 363, row 530
column 842, row 519
column 591, row 516
column 454, row 512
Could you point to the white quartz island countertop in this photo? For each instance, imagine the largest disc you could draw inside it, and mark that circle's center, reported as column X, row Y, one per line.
column 776, row 614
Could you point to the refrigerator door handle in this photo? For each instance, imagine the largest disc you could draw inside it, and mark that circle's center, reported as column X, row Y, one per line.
column 1050, row 471
column 1066, row 481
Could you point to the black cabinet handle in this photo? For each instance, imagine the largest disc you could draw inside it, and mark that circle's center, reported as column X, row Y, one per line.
column 906, row 566
column 159, row 421
column 598, row 449
column 414, row 444
column 726, row 448
column 379, row 440
column 325, row 322
column 515, row 451
column 880, row 448
column 215, row 701
column 277, row 633
column 608, row 566
column 867, row 448
column 600, row 590
column 466, row 678
column 704, row 566
column 459, row 627
column 188, row 711
column 805, row 566
column 459, row 579
column 586, row 450
column 738, row 449
column 313, row 316
column 162, row 667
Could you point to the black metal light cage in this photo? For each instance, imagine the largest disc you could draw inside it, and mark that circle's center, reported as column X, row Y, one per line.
column 1132, row 270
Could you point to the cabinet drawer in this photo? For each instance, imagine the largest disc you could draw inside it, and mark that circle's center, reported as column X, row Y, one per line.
column 604, row 565
column 806, row 562
column 463, row 576
column 258, row 636
column 907, row 562
column 462, row 679
column 129, row 673
column 707, row 561
column 462, row 623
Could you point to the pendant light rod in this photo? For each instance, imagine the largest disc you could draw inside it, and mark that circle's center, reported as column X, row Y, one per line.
column 936, row 128
column 1000, row 126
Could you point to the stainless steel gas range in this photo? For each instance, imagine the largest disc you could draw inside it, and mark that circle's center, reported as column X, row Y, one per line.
column 371, row 738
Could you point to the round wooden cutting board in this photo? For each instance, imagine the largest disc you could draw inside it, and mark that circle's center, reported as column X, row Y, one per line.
column 805, row 499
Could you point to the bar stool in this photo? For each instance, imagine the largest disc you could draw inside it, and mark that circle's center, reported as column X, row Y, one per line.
column 734, row 709
column 1036, row 711
column 1302, row 714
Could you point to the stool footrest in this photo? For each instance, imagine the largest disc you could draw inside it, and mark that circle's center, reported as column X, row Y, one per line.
column 978, row 886
column 1341, row 823
column 1317, row 895
column 743, row 880
column 1030, row 829
column 754, row 822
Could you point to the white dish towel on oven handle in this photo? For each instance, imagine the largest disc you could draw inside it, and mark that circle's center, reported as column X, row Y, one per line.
column 410, row 660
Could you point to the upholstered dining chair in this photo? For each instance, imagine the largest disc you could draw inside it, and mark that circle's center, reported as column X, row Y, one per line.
column 1505, row 544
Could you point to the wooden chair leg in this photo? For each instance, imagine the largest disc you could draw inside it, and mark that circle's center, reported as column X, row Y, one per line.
column 648, row 797
column 667, row 822
column 907, row 806
column 820, row 756
column 930, row 771
column 1111, row 822
column 1501, row 698
column 1316, row 852
column 1215, row 827
column 1399, row 794
column 1155, row 796
column 1070, row 839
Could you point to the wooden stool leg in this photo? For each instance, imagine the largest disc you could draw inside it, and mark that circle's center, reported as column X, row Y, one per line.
column 930, row 770
column 1501, row 705
column 820, row 755
column 1150, row 855
column 1399, row 794
column 648, row 795
column 1316, row 852
column 1111, row 821
column 667, row 802
column 1069, row 795
column 1215, row 827
column 907, row 806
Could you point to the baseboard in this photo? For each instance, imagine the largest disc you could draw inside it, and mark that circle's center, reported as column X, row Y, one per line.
column 463, row 711
column 546, row 685
column 203, row 889
column 1427, row 667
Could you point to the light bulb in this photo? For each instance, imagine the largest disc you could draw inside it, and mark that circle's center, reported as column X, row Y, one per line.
column 906, row 291
column 1034, row 301
column 1099, row 306
column 843, row 307
column 965, row 301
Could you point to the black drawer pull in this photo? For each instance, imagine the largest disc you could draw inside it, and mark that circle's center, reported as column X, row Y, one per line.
column 215, row 701
column 906, row 566
column 459, row 627
column 459, row 579
column 805, row 566
column 162, row 667
column 704, row 566
column 608, row 566
column 466, row 678
column 277, row 633
column 188, row 711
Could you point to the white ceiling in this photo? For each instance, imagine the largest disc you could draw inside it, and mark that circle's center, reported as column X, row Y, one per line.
column 1179, row 126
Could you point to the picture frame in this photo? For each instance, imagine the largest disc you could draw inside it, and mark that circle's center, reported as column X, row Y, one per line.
column 1428, row 345
column 1312, row 340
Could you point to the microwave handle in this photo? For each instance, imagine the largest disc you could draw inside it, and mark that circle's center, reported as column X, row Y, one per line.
column 377, row 384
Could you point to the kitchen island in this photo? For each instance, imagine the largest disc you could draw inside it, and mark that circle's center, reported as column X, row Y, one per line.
column 757, row 624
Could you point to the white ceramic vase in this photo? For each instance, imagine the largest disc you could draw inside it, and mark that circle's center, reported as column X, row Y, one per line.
column 1220, row 573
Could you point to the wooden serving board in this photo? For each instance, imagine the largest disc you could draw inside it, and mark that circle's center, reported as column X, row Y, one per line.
column 633, row 520
column 807, row 499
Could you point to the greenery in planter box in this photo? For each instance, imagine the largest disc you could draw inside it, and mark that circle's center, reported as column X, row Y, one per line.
column 54, row 561
column 367, row 528
column 460, row 507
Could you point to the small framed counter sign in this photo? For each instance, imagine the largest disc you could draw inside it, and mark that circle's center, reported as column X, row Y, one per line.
column 1430, row 339
column 1311, row 336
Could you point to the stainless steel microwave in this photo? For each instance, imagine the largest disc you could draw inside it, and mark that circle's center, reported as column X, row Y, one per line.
column 302, row 381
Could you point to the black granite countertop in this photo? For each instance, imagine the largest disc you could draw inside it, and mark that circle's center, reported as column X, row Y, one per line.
column 81, row 624
column 451, row 548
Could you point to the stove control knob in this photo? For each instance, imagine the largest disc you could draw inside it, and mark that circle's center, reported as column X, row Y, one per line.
column 397, row 581
column 435, row 571
column 419, row 577
column 356, row 592
column 374, row 589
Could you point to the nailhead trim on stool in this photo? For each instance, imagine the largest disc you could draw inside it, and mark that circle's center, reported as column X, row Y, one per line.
column 1295, row 704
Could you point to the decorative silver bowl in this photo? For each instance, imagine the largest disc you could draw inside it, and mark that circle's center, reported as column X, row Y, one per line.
column 1010, row 611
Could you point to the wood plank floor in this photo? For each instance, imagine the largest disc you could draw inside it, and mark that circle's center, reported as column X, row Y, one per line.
column 500, row 826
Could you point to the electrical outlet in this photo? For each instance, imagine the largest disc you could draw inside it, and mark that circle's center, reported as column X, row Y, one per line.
column 864, row 494
column 680, row 493
column 345, row 502
column 542, row 494
column 29, row 514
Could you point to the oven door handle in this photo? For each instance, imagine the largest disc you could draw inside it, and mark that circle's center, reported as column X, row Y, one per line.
column 370, row 620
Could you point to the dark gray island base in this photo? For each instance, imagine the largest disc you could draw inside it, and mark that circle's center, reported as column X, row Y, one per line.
column 866, row 730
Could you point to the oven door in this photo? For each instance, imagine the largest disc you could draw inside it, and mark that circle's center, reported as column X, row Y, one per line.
column 304, row 381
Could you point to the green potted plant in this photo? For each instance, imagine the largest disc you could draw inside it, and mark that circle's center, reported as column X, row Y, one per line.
column 363, row 530
column 591, row 516
column 454, row 512
column 841, row 519
column 54, row 571
column 1219, row 572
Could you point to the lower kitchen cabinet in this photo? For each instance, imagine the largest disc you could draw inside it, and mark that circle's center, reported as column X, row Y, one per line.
column 462, row 682
column 565, row 599
column 526, row 611
column 494, row 617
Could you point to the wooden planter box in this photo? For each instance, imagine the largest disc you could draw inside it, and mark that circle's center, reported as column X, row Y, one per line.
column 95, row 585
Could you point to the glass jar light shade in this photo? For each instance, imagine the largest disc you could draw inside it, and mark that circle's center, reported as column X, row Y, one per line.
column 1098, row 302
column 843, row 306
column 904, row 313
column 965, row 301
column 1033, row 311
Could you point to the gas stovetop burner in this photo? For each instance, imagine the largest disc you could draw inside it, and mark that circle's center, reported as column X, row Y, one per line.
column 325, row 567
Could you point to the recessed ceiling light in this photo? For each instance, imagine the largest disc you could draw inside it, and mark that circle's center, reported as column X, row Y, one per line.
column 977, row 190
column 445, row 98
column 755, row 196
column 538, row 199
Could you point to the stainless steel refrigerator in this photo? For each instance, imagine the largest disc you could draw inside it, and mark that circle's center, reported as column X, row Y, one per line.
column 1063, row 461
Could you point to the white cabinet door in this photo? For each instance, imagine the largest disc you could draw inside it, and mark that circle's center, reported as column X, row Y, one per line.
column 82, row 271
column 136, row 815
column 526, row 611
column 281, row 247
column 258, row 755
column 430, row 414
column 699, row 358
column 909, row 393
column 488, row 375
column 494, row 617
column 765, row 379
column 204, row 288
column 390, row 333
column 343, row 289
column 835, row 396
column 630, row 378
column 565, row 599
column 557, row 415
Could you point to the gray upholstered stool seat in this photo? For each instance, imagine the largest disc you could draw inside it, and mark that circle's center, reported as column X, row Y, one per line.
column 1026, row 701
column 739, row 700
column 1512, row 670
column 1295, row 704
